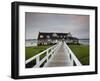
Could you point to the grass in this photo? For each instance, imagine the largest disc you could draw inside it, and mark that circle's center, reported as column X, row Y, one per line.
column 81, row 52
column 32, row 51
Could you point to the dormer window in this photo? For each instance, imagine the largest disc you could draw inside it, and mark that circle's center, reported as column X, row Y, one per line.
column 54, row 35
column 41, row 36
column 61, row 36
column 69, row 35
column 48, row 36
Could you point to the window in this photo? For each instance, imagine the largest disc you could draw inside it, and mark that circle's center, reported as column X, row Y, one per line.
column 61, row 36
column 48, row 36
column 69, row 35
column 54, row 35
column 41, row 36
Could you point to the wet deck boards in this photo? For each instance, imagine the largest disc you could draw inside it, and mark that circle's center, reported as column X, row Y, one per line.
column 59, row 59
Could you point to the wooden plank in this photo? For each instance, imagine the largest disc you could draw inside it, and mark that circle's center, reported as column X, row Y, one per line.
column 59, row 59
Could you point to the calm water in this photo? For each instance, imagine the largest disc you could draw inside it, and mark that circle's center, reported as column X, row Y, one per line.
column 29, row 43
column 84, row 41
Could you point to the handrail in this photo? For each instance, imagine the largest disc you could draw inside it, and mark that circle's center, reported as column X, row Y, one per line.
column 37, row 57
column 73, row 58
column 32, row 58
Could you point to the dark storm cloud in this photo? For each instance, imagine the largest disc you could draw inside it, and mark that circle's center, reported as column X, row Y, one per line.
column 78, row 25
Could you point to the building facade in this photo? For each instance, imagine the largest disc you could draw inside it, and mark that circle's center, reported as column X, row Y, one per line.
column 45, row 38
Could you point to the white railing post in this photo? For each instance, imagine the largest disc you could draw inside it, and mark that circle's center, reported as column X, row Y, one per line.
column 70, row 58
column 72, row 61
column 47, row 55
column 37, row 60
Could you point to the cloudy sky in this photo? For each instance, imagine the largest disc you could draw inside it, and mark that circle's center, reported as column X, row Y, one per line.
column 77, row 25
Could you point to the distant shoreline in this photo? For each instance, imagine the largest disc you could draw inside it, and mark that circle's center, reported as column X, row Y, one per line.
column 30, row 39
column 33, row 42
column 79, row 39
column 84, row 39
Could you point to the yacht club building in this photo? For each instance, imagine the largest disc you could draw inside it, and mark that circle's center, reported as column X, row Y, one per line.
column 49, row 38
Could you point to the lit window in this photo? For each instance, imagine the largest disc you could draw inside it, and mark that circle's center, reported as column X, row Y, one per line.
column 69, row 35
column 41, row 36
column 54, row 35
column 48, row 36
column 60, row 36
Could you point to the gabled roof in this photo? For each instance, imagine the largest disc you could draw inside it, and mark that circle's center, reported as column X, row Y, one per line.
column 51, row 34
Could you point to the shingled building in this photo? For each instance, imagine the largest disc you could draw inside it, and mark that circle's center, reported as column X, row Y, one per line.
column 45, row 38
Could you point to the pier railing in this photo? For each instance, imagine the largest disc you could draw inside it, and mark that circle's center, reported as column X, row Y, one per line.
column 46, row 55
column 73, row 59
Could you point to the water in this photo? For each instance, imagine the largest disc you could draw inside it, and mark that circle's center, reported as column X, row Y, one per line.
column 84, row 41
column 31, row 42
